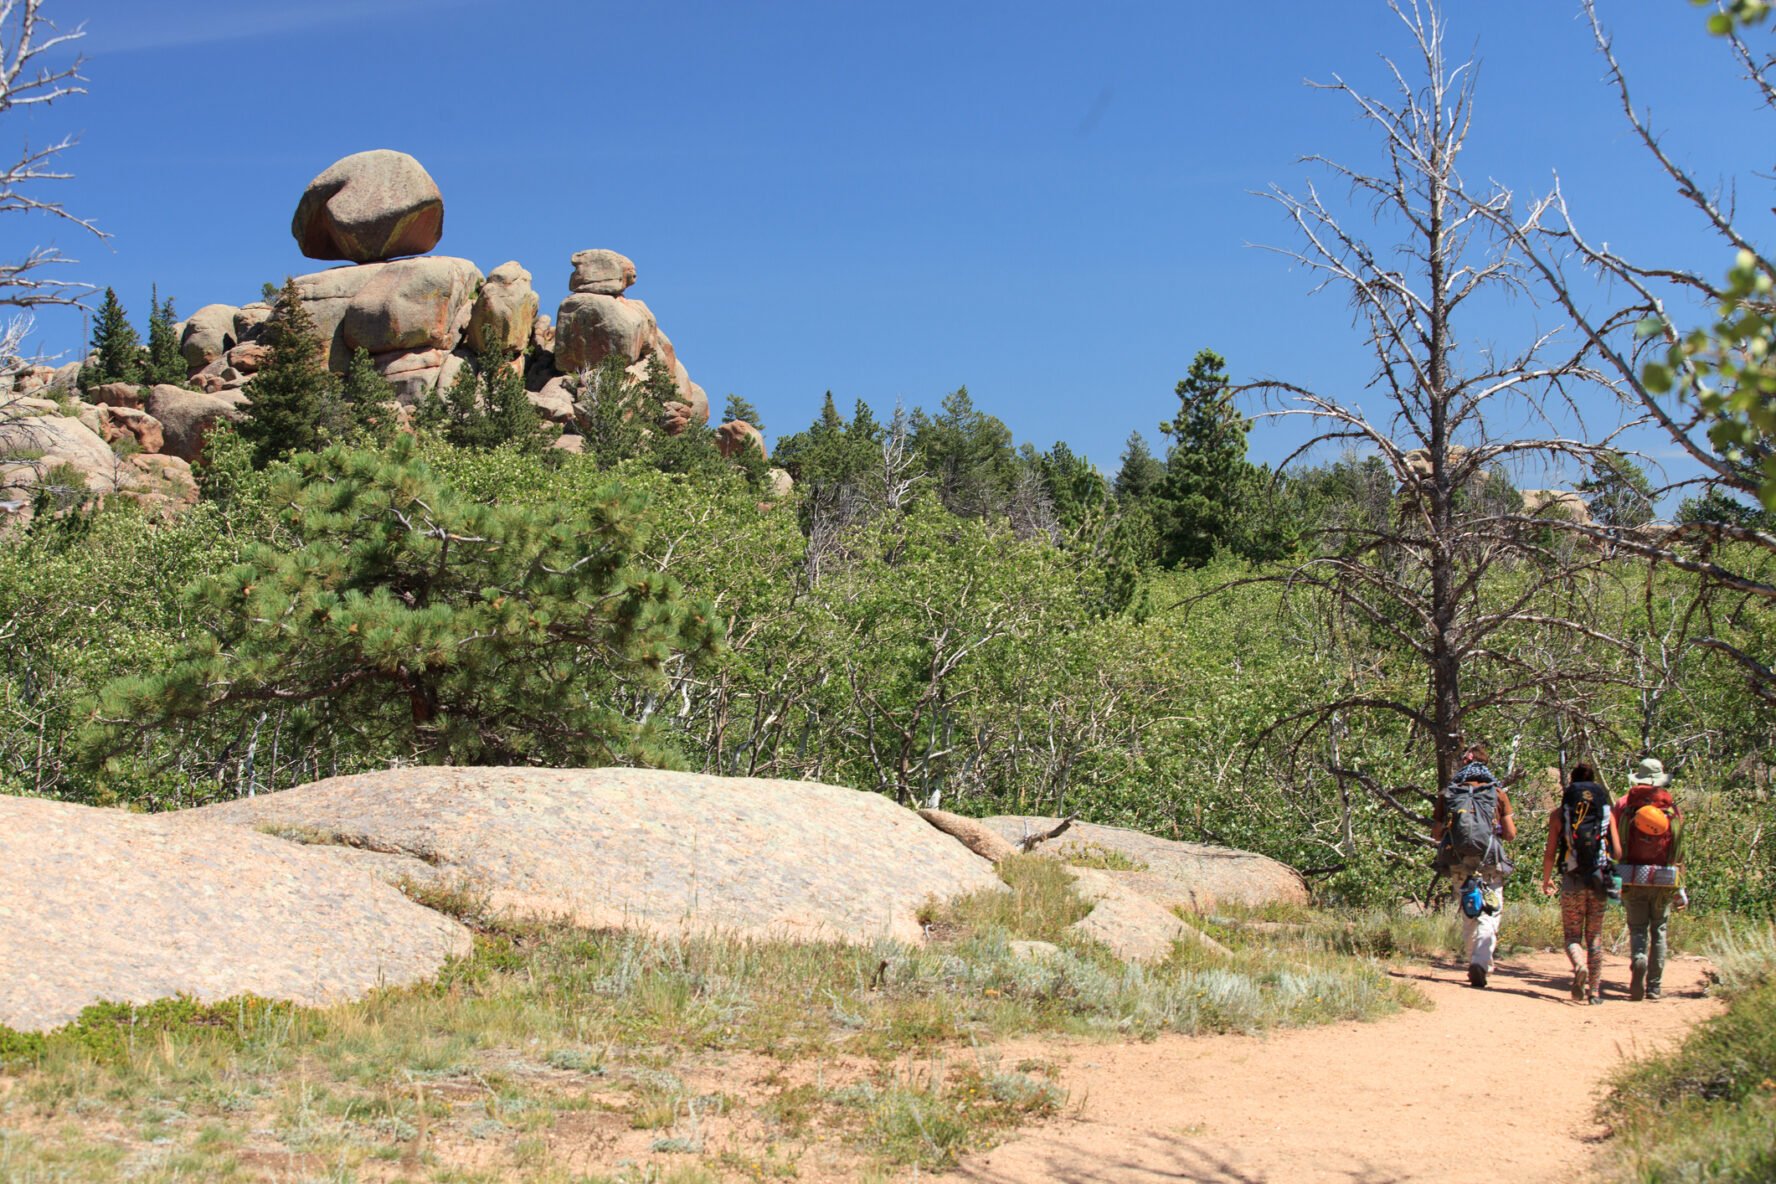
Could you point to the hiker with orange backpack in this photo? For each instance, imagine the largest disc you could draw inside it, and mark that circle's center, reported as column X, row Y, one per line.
column 1583, row 838
column 1651, row 872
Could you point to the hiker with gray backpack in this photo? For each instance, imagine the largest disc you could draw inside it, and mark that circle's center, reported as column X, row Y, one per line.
column 1472, row 823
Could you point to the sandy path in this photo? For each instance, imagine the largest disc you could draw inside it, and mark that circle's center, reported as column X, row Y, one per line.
column 1380, row 1103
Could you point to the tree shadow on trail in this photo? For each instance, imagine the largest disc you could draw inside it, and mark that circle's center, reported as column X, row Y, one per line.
column 1153, row 1158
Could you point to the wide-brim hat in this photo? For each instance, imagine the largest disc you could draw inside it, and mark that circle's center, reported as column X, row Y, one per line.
column 1650, row 771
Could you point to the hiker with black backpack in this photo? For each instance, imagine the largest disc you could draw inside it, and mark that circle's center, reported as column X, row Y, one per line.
column 1472, row 823
column 1582, row 838
column 1652, row 873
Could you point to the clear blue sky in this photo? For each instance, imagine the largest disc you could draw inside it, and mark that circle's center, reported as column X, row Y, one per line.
column 1050, row 203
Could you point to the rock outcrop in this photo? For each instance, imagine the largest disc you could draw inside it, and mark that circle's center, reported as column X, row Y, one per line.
column 735, row 436
column 590, row 327
column 104, row 905
column 186, row 417
column 402, row 307
column 506, row 311
column 40, row 445
column 208, row 333
column 1194, row 876
column 369, row 207
column 650, row 850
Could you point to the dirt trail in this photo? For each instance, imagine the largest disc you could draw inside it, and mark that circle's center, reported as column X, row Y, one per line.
column 1381, row 1103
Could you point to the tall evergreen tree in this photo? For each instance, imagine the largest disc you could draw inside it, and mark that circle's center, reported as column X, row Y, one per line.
column 486, row 407
column 164, row 361
column 968, row 454
column 116, row 349
column 369, row 400
column 739, row 408
column 1209, row 487
column 296, row 404
column 1141, row 471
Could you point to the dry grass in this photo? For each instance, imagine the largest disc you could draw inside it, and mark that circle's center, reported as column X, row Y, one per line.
column 554, row 1054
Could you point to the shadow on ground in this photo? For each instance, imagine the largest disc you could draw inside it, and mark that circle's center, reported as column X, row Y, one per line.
column 1150, row 1158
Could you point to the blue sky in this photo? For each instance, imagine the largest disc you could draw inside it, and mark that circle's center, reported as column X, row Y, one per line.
column 1050, row 203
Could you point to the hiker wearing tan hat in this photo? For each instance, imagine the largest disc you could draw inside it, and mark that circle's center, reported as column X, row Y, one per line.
column 1652, row 873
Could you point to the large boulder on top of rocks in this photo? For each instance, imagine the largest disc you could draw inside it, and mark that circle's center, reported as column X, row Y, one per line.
column 601, row 273
column 589, row 327
column 208, row 334
column 186, row 417
column 1176, row 873
column 409, row 304
column 369, row 207
column 505, row 312
column 99, row 904
column 638, row 848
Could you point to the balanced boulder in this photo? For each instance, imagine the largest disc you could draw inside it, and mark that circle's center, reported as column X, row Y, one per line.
column 104, row 905
column 601, row 273
column 638, row 848
column 369, row 207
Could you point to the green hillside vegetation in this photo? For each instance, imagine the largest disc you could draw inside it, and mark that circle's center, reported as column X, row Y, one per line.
column 865, row 634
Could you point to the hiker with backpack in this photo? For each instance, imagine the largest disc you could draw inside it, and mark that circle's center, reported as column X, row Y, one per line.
column 1582, row 838
column 1651, row 872
column 1472, row 822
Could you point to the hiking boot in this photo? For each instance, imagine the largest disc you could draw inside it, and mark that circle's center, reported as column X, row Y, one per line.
column 1476, row 975
column 1655, row 994
column 1596, row 1000
column 1578, row 991
column 1637, row 988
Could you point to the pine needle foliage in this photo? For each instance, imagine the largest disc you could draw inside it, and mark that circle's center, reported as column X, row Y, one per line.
column 116, row 349
column 163, row 362
column 296, row 402
column 369, row 401
column 421, row 622
column 486, row 407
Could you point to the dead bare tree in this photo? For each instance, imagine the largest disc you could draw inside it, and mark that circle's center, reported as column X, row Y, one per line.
column 36, row 71
column 1639, row 335
column 1454, row 578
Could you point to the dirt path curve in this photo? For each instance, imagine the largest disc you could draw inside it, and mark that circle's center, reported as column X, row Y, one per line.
column 1380, row 1103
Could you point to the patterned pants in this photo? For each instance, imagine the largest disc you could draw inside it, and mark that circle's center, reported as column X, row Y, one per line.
column 1581, row 926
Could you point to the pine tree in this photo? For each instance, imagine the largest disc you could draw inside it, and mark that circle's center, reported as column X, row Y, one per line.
column 1141, row 471
column 369, row 400
column 165, row 363
column 403, row 614
column 296, row 404
column 1209, row 488
column 116, row 349
column 738, row 408
column 485, row 407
